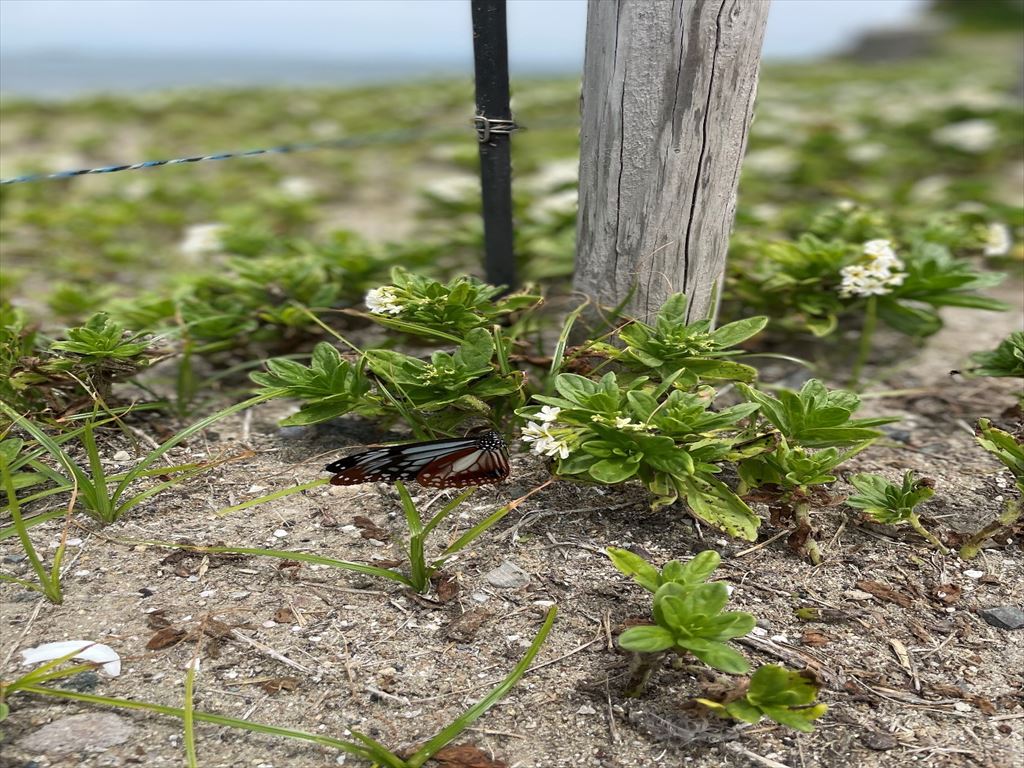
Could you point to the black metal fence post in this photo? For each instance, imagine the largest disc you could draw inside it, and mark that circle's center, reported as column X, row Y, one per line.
column 494, row 127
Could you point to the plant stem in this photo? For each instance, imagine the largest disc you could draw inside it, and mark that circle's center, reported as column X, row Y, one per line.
column 866, row 336
column 1014, row 508
column 915, row 523
column 802, row 515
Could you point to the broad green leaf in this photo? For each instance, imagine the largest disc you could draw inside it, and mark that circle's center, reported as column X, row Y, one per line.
column 647, row 639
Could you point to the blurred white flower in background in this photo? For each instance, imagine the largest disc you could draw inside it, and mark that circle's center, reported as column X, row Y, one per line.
column 556, row 174
column 774, row 161
column 974, row 136
column 998, row 240
column 201, row 240
column 453, row 189
column 297, row 188
column 558, row 204
column 930, row 189
column 866, row 153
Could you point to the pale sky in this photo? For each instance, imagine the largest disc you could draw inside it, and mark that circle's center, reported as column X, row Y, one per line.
column 539, row 30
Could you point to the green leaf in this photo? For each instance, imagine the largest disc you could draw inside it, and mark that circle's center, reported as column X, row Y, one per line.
column 715, row 654
column 647, row 639
column 634, row 566
column 611, row 471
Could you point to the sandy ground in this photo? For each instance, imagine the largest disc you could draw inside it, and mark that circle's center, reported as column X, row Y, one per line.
column 912, row 674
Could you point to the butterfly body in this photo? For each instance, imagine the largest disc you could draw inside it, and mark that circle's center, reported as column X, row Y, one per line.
column 449, row 463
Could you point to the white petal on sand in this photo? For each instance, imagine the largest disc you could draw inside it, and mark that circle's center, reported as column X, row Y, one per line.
column 87, row 649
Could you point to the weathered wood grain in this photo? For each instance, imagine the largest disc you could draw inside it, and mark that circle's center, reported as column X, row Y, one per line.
column 668, row 92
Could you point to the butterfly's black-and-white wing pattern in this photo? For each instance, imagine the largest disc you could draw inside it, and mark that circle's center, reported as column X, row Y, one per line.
column 449, row 463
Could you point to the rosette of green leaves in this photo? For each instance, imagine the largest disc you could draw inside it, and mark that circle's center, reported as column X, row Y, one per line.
column 451, row 310
column 816, row 417
column 328, row 387
column 466, row 381
column 670, row 441
column 935, row 279
column 887, row 502
column 690, row 574
column 689, row 618
column 776, row 693
column 672, row 344
column 795, row 468
column 1007, row 359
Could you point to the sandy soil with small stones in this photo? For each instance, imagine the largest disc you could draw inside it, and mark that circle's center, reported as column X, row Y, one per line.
column 911, row 672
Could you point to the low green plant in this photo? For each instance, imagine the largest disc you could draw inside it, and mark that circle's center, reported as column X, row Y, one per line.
column 1010, row 452
column 1006, row 360
column 609, row 432
column 432, row 309
column 892, row 504
column 420, row 569
column 813, row 426
column 39, row 376
column 102, row 496
column 432, row 396
column 673, row 344
column 361, row 746
column 777, row 693
column 688, row 616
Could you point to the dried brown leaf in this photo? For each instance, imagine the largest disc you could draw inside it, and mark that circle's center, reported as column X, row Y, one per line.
column 465, row 756
column 278, row 684
column 165, row 638
column 885, row 592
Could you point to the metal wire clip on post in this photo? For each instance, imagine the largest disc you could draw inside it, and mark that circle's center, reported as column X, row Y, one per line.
column 486, row 127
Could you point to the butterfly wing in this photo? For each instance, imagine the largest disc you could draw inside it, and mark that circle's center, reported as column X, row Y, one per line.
column 480, row 464
column 449, row 463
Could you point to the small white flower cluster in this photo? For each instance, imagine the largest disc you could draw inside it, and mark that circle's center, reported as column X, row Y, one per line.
column 383, row 301
column 201, row 240
column 540, row 435
column 877, row 276
column 620, row 422
column 997, row 240
column 974, row 136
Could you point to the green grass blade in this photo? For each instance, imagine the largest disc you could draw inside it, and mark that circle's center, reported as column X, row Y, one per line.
column 446, row 510
column 280, row 494
column 42, row 517
column 563, row 340
column 184, row 434
column 471, row 715
column 51, row 590
column 207, row 717
column 188, row 718
column 100, row 497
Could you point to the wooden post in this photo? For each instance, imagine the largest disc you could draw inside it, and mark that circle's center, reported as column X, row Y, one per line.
column 668, row 93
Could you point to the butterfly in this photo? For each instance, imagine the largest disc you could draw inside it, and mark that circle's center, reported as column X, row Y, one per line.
column 449, row 463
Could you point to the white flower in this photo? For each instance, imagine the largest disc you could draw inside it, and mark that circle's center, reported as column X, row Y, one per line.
column 557, row 204
column 997, row 240
column 774, row 161
column 845, row 205
column 201, row 240
column 544, row 443
column 876, row 276
column 974, row 136
column 866, row 153
column 297, row 188
column 930, row 189
column 549, row 413
column 556, row 174
column 383, row 301
column 453, row 189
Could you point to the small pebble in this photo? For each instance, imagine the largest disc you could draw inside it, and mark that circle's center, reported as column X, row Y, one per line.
column 974, row 574
column 122, row 456
column 280, row 533
column 1003, row 616
column 962, row 706
column 586, row 709
column 508, row 575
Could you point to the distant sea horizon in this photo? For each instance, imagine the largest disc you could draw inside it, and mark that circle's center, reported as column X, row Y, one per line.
column 59, row 75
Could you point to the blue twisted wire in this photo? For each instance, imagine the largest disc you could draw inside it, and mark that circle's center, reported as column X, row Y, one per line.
column 353, row 141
